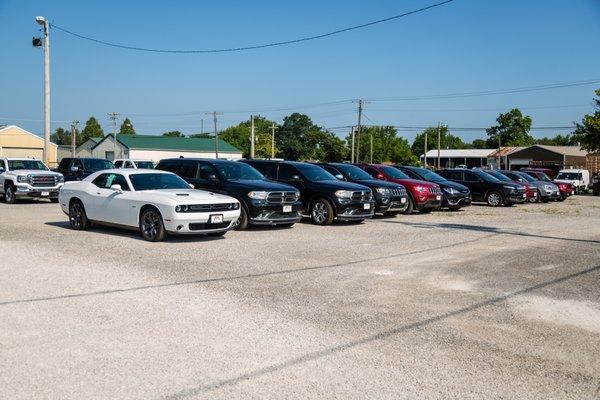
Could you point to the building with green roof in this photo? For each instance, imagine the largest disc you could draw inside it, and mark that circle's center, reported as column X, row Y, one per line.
column 156, row 148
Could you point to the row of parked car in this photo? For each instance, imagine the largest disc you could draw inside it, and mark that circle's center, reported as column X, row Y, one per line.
column 236, row 194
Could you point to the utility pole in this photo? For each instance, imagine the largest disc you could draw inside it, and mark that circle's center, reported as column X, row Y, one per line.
column 360, row 102
column 214, row 114
column 251, row 136
column 499, row 156
column 73, row 137
column 273, row 140
column 113, row 116
column 45, row 43
column 352, row 150
column 371, row 148
column 201, row 126
column 439, row 140
column 425, row 148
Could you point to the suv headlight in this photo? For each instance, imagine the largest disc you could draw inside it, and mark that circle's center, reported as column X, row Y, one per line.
column 258, row 195
column 421, row 189
column 451, row 191
column 22, row 178
column 181, row 208
column 509, row 187
column 344, row 194
column 549, row 188
column 383, row 191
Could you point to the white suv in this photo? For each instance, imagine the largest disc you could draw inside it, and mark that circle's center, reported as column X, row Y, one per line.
column 131, row 163
column 28, row 178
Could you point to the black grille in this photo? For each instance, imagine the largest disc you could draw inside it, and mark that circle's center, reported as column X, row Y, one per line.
column 435, row 190
column 211, row 207
column 282, row 197
column 43, row 180
column 201, row 227
column 362, row 196
column 398, row 192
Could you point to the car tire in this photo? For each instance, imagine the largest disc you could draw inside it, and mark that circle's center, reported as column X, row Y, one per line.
column 410, row 207
column 9, row 194
column 242, row 222
column 321, row 212
column 493, row 199
column 152, row 227
column 78, row 219
column 216, row 234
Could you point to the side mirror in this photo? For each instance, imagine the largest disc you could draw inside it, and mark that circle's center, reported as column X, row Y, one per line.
column 116, row 188
column 296, row 178
column 191, row 186
column 74, row 169
column 340, row 177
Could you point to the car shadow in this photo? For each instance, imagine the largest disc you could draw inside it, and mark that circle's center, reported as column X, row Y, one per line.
column 132, row 234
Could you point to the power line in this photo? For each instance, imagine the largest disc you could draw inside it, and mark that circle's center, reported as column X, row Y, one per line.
column 260, row 46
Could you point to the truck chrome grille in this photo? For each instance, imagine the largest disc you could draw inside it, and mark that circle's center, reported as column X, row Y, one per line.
column 43, row 180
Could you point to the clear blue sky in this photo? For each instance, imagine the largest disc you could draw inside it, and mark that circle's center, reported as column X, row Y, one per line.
column 467, row 45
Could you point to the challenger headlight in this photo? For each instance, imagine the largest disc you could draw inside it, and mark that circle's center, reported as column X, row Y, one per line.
column 383, row 191
column 450, row 190
column 258, row 195
column 181, row 208
column 344, row 194
column 509, row 187
column 22, row 178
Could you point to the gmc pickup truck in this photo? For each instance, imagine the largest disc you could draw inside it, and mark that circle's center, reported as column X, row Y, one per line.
column 28, row 178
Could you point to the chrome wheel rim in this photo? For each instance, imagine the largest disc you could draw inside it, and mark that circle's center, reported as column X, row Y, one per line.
column 76, row 216
column 150, row 224
column 319, row 212
column 8, row 195
column 494, row 199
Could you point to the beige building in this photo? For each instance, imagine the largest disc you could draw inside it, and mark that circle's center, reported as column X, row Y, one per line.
column 17, row 142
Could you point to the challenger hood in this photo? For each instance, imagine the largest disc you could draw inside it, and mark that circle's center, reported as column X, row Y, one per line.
column 189, row 196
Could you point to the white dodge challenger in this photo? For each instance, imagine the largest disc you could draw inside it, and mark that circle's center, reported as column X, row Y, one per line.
column 153, row 202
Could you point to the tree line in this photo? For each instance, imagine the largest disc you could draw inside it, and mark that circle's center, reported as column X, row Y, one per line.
column 299, row 138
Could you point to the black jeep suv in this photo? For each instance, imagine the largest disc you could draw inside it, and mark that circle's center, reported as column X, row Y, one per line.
column 390, row 198
column 263, row 202
column 486, row 188
column 455, row 195
column 324, row 197
column 76, row 169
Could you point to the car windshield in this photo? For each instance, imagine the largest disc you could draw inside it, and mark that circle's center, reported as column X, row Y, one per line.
column 499, row 176
column 429, row 175
column 394, row 173
column 144, row 164
column 154, row 181
column 544, row 177
column 525, row 176
column 486, row 177
column 314, row 173
column 96, row 164
column 354, row 173
column 572, row 176
column 234, row 171
column 15, row 165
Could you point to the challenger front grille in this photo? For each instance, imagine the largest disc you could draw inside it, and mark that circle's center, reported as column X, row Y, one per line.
column 282, row 197
column 211, row 207
column 43, row 180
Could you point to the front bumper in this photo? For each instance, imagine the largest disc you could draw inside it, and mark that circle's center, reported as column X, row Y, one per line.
column 26, row 190
column 391, row 204
column 551, row 195
column 198, row 223
column 433, row 201
column 274, row 214
column 355, row 211
column 515, row 197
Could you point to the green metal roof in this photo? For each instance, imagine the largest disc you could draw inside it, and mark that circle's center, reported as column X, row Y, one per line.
column 149, row 142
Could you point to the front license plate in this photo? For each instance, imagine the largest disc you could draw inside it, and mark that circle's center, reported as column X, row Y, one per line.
column 438, row 197
column 287, row 208
column 524, row 195
column 572, row 192
column 367, row 206
column 403, row 200
column 216, row 219
column 45, row 193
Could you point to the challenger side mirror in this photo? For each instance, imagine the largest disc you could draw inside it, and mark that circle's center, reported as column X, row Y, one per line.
column 191, row 186
column 116, row 188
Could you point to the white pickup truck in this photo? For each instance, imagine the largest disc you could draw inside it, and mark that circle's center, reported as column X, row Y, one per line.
column 28, row 178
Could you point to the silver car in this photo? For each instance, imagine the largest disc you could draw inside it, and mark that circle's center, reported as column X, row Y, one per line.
column 546, row 190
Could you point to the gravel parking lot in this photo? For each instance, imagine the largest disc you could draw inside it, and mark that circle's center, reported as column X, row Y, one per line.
column 481, row 303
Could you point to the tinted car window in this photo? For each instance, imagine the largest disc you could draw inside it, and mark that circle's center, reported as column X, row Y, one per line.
column 331, row 170
column 105, row 181
column 94, row 164
column 411, row 174
column 144, row 164
column 188, row 169
column 353, row 172
column 372, row 171
column 152, row 181
column 234, row 170
column 314, row 173
column 118, row 164
column 394, row 172
column 453, row 175
column 286, row 172
column 64, row 163
column 168, row 165
column 471, row 177
column 77, row 164
column 268, row 169
column 205, row 171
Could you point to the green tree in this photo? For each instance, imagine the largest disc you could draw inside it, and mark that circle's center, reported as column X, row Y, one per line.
column 447, row 140
column 202, row 135
column 239, row 136
column 479, row 144
column 558, row 140
column 92, row 129
column 61, row 137
column 512, row 129
column 126, row 128
column 387, row 146
column 173, row 134
column 587, row 133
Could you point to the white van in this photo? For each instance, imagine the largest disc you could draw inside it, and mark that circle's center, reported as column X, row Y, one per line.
column 579, row 178
column 131, row 163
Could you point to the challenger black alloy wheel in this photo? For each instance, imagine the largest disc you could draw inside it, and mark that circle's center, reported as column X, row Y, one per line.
column 151, row 225
column 77, row 216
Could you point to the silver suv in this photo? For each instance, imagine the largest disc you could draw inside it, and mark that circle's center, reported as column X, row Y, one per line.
column 28, row 178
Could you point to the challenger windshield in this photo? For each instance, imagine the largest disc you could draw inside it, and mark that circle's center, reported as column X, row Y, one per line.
column 157, row 181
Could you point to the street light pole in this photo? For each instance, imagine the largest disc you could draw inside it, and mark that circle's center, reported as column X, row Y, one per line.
column 46, row 45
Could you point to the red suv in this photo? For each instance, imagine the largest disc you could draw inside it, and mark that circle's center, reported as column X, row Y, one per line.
column 423, row 196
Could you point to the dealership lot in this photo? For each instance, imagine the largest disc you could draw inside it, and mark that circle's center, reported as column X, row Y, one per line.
column 480, row 303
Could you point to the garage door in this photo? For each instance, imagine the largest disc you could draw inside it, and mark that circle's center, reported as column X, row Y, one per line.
column 18, row 152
